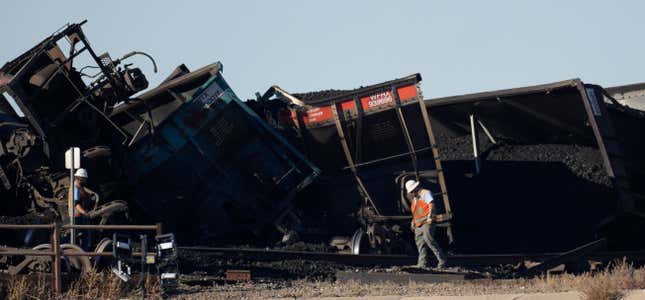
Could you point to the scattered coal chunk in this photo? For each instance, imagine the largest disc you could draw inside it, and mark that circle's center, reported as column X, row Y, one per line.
column 305, row 246
column 190, row 262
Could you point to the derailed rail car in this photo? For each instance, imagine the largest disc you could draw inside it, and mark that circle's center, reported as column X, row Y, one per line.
column 539, row 168
column 227, row 174
column 368, row 142
column 625, row 106
column 213, row 170
column 49, row 103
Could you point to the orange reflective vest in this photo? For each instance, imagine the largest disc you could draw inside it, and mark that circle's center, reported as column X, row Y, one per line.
column 421, row 210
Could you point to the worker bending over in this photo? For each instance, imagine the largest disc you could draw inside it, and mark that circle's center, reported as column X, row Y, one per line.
column 422, row 223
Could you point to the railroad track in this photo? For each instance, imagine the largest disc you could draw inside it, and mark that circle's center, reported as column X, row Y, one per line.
column 465, row 260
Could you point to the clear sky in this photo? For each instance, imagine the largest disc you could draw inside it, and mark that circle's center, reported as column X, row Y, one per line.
column 458, row 46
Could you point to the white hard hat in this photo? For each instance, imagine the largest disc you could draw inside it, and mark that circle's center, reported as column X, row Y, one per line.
column 81, row 173
column 410, row 185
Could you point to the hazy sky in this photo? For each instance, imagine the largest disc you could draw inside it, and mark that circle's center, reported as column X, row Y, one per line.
column 457, row 46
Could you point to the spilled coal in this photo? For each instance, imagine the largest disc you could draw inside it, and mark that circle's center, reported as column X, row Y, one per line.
column 584, row 162
column 526, row 197
column 196, row 262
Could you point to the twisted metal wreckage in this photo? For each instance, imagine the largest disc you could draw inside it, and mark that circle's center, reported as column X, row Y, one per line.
column 318, row 164
column 234, row 168
column 135, row 145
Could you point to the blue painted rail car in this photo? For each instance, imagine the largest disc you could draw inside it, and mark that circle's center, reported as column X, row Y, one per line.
column 214, row 170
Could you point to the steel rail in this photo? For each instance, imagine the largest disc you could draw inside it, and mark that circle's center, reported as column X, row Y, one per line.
column 471, row 260
column 56, row 253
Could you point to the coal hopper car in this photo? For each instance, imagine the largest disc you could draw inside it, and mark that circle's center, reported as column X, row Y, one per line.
column 368, row 142
column 626, row 107
column 206, row 165
column 543, row 168
column 537, row 169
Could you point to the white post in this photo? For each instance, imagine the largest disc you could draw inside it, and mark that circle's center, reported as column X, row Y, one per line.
column 475, row 138
column 72, row 232
column 72, row 162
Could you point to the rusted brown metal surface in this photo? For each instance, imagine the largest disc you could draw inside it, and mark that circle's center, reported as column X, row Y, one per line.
column 238, row 275
column 57, row 252
column 55, row 233
column 364, row 137
column 115, row 227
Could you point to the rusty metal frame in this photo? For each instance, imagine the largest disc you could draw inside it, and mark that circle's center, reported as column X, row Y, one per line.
column 354, row 163
column 339, row 121
column 348, row 156
column 360, row 114
column 379, row 160
column 57, row 253
column 440, row 175
column 353, row 166
column 404, row 127
column 17, row 98
column 26, row 59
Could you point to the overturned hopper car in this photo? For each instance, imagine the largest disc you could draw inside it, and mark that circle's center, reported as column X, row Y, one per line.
column 206, row 165
column 626, row 106
column 539, row 168
column 532, row 169
column 187, row 153
column 630, row 95
column 368, row 142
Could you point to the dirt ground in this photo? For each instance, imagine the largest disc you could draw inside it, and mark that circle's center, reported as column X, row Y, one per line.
column 607, row 284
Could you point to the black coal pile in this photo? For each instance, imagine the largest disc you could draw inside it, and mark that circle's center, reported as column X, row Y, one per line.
column 334, row 94
column 527, row 197
column 583, row 161
column 318, row 95
column 305, row 246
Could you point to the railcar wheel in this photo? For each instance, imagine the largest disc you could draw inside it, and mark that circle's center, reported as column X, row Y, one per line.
column 360, row 242
column 69, row 264
column 105, row 245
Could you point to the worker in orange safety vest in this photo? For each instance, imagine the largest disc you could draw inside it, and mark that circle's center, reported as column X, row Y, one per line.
column 422, row 223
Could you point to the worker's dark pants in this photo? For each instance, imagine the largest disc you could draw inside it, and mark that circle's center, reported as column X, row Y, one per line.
column 424, row 240
column 86, row 240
